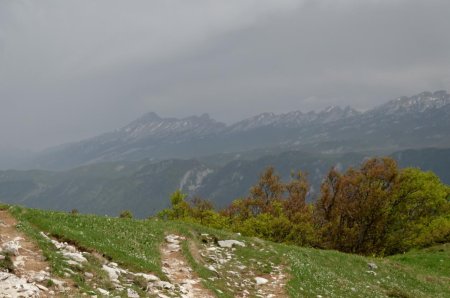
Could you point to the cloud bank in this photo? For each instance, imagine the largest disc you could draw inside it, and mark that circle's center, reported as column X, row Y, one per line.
column 73, row 69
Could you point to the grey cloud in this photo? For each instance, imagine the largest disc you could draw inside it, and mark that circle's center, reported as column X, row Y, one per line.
column 72, row 69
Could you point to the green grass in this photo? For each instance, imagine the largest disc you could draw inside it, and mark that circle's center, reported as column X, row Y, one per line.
column 132, row 243
column 135, row 245
column 433, row 261
column 334, row 274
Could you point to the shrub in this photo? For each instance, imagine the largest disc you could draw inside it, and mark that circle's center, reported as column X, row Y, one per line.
column 126, row 214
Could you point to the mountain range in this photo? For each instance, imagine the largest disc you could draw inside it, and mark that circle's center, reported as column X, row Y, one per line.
column 403, row 123
column 138, row 166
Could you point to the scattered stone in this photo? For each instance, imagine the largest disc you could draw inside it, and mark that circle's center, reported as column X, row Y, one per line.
column 11, row 247
column 261, row 281
column 210, row 267
column 38, row 276
column 371, row 272
column 230, row 243
column 132, row 293
column 75, row 256
column 103, row 291
column 113, row 273
column 164, row 285
column 14, row 286
column 372, row 266
column 42, row 288
column 148, row 277
column 88, row 275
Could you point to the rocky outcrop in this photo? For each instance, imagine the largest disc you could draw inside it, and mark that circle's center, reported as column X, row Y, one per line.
column 28, row 274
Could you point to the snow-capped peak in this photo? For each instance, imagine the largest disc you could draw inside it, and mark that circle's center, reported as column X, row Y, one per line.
column 294, row 119
column 415, row 104
column 152, row 125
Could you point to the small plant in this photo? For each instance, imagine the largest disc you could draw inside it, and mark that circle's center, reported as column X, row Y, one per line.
column 6, row 263
column 50, row 283
column 126, row 214
column 140, row 282
column 74, row 211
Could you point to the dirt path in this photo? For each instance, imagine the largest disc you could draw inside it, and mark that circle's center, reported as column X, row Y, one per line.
column 27, row 274
column 181, row 276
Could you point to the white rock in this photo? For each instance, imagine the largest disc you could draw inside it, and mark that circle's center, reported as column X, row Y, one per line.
column 19, row 262
column 230, row 243
column 132, row 293
column 75, row 256
column 12, row 247
column 172, row 239
column 103, row 291
column 74, row 263
column 42, row 288
column 13, row 286
column 70, row 248
column 39, row 276
column 57, row 282
column 148, row 277
column 113, row 273
column 261, row 281
column 164, row 285
column 88, row 275
column 210, row 267
column 173, row 247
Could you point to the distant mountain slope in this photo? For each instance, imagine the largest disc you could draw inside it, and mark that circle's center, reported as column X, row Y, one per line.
column 102, row 188
column 419, row 121
column 145, row 187
column 430, row 159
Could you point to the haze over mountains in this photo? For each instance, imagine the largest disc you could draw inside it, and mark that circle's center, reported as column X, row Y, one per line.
column 418, row 121
column 138, row 166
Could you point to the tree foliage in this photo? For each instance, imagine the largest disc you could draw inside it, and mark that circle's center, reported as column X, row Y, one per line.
column 381, row 209
column 374, row 209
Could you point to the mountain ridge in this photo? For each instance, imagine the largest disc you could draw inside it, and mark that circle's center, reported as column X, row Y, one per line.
column 399, row 124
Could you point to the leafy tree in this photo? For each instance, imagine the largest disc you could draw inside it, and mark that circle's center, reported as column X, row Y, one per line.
column 353, row 208
column 296, row 189
column 268, row 188
column 201, row 209
column 179, row 208
column 420, row 212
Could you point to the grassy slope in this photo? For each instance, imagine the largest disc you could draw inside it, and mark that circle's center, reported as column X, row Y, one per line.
column 134, row 244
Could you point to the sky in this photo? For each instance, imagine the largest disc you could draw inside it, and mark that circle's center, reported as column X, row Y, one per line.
column 74, row 69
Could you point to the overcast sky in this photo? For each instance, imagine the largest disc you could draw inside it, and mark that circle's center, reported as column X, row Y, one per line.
column 74, row 69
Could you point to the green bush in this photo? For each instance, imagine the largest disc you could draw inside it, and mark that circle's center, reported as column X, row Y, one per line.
column 126, row 214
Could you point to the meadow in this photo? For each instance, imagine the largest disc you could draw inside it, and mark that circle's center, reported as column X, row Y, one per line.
column 134, row 244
